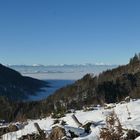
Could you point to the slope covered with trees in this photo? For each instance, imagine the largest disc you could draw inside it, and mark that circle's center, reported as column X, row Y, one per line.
column 109, row 87
column 14, row 86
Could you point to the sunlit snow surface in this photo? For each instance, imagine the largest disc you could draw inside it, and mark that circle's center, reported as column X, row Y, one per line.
column 98, row 116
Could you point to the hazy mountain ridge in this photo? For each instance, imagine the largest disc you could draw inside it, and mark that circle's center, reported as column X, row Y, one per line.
column 38, row 68
column 65, row 72
column 14, row 86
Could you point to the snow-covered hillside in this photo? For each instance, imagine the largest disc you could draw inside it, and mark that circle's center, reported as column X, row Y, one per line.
column 128, row 114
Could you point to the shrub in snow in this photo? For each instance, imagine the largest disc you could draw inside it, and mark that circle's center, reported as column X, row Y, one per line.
column 21, row 118
column 59, row 113
column 56, row 121
column 127, row 99
column 63, row 123
column 57, row 133
column 113, row 130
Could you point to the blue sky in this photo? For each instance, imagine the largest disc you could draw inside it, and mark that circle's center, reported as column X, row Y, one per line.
column 69, row 31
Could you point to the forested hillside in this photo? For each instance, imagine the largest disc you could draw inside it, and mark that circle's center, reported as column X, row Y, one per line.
column 109, row 87
column 16, row 87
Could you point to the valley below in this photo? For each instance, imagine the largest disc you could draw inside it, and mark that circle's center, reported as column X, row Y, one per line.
column 100, row 106
column 53, row 85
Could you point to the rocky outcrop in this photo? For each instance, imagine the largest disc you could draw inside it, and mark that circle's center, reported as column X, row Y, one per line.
column 132, row 134
column 10, row 128
column 58, row 133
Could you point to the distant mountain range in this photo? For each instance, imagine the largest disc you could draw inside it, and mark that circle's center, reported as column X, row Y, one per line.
column 61, row 65
column 61, row 71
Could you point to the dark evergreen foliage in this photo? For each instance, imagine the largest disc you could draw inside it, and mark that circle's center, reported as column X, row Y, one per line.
column 14, row 86
column 109, row 87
